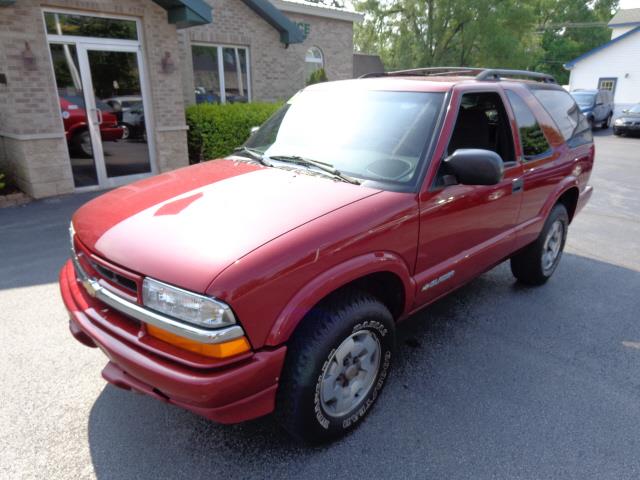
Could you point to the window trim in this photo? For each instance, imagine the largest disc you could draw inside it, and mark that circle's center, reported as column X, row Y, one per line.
column 219, row 51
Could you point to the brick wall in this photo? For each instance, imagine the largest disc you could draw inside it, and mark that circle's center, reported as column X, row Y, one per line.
column 33, row 149
column 277, row 71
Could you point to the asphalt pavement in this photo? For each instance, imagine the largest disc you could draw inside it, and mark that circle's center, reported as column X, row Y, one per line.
column 496, row 381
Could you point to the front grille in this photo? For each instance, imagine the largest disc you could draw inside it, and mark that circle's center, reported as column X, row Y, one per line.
column 120, row 280
column 113, row 277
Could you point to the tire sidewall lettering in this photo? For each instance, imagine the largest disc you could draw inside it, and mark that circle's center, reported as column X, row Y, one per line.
column 382, row 331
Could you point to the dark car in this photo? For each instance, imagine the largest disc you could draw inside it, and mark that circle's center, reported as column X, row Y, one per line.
column 629, row 122
column 596, row 105
column 272, row 280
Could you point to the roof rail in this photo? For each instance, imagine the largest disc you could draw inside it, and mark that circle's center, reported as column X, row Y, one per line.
column 478, row 73
column 497, row 74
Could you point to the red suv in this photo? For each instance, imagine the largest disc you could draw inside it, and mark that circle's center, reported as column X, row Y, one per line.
column 273, row 279
column 74, row 117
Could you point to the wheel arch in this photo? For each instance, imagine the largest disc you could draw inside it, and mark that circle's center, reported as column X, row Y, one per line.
column 567, row 193
column 385, row 275
column 569, row 198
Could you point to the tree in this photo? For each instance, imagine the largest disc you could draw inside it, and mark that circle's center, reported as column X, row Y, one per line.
column 491, row 33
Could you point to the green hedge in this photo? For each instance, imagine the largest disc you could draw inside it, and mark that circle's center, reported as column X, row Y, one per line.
column 215, row 130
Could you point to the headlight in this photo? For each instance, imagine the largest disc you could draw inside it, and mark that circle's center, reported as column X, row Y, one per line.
column 183, row 305
column 618, row 121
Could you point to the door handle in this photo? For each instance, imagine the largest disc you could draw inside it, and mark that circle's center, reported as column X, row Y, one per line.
column 517, row 185
column 98, row 116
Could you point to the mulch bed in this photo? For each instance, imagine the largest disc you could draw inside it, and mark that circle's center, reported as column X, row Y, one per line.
column 12, row 197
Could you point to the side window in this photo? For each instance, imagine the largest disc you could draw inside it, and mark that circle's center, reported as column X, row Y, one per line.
column 566, row 114
column 483, row 123
column 534, row 143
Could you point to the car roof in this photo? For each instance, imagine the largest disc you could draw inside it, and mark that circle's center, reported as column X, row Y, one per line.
column 418, row 83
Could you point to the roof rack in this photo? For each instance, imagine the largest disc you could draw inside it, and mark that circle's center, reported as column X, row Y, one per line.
column 480, row 74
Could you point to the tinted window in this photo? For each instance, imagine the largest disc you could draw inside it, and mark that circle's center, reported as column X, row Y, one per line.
column 566, row 114
column 534, row 143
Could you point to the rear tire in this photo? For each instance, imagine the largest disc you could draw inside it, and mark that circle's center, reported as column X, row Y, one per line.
column 337, row 362
column 535, row 264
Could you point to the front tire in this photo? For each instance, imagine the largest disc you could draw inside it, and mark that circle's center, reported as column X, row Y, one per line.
column 337, row 363
column 607, row 122
column 82, row 144
column 535, row 264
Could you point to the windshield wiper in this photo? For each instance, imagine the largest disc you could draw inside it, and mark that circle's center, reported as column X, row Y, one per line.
column 253, row 154
column 325, row 167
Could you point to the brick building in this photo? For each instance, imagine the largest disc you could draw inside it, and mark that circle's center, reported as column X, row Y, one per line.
column 92, row 92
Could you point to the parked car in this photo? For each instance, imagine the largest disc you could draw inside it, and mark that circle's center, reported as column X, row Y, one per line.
column 74, row 118
column 273, row 279
column 130, row 112
column 629, row 122
column 596, row 105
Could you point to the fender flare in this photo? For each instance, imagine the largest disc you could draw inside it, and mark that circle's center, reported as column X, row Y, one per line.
column 333, row 279
column 567, row 184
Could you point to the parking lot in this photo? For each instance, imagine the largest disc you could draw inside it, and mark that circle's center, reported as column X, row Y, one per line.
column 494, row 381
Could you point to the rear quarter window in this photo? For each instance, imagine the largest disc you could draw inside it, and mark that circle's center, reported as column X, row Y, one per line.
column 573, row 126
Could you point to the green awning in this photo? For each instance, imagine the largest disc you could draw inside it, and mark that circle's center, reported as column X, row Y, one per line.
column 289, row 31
column 186, row 13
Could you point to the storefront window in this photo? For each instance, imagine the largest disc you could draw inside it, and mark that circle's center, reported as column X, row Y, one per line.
column 221, row 74
column 313, row 61
column 86, row 26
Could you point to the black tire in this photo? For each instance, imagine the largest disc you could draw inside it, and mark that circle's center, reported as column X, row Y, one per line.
column 311, row 353
column 591, row 122
column 528, row 265
column 616, row 132
column 607, row 122
column 82, row 144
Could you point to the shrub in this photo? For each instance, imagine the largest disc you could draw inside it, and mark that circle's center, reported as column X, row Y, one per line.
column 317, row 76
column 215, row 130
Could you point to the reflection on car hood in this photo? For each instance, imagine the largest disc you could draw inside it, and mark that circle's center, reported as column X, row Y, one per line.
column 185, row 227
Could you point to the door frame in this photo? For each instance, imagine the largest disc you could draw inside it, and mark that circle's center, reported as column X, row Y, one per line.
column 83, row 45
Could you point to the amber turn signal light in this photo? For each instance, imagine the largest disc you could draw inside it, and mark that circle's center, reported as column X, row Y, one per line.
column 217, row 350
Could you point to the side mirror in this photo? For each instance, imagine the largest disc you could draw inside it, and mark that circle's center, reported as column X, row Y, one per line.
column 598, row 104
column 626, row 110
column 474, row 166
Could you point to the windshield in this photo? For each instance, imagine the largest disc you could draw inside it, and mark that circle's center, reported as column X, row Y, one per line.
column 583, row 99
column 635, row 108
column 369, row 135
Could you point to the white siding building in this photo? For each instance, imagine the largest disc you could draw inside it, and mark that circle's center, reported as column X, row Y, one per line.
column 616, row 64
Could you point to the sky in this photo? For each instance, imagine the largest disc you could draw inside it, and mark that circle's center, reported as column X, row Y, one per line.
column 629, row 3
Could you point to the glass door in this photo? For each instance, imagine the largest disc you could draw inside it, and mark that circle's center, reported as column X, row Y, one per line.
column 116, row 112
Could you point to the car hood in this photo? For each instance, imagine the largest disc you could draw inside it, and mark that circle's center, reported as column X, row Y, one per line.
column 630, row 117
column 185, row 227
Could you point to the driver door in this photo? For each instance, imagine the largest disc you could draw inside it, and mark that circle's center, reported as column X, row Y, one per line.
column 467, row 229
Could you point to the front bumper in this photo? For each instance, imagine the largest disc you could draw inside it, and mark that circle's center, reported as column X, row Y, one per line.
column 225, row 392
column 633, row 129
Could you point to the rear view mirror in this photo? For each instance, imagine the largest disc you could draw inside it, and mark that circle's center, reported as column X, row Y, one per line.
column 474, row 166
